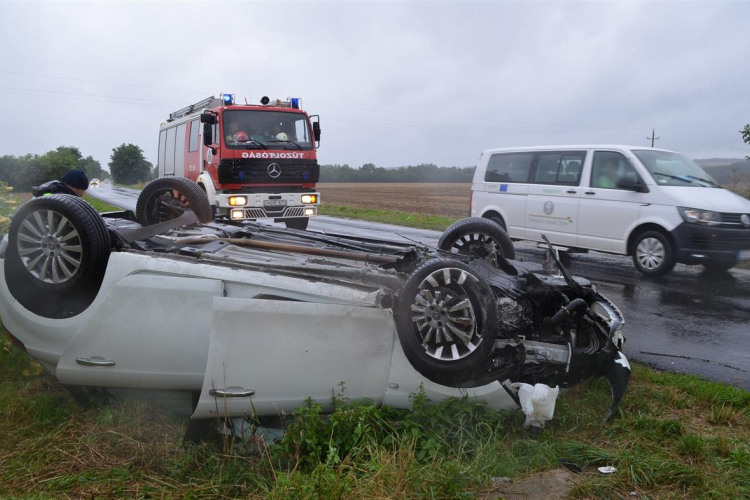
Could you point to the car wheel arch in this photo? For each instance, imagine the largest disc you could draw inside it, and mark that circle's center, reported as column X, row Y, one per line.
column 639, row 230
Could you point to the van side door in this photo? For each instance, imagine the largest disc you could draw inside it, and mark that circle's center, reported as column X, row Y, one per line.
column 504, row 190
column 608, row 213
column 554, row 195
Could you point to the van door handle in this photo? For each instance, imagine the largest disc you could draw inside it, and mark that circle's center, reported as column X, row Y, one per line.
column 231, row 392
column 590, row 192
column 95, row 361
column 572, row 191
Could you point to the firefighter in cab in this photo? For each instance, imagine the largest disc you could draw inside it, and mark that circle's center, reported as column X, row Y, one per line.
column 74, row 182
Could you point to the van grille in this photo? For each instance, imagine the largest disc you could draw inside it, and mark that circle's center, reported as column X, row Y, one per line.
column 732, row 220
column 256, row 171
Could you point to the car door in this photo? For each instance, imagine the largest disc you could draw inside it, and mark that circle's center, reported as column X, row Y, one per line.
column 269, row 356
column 554, row 196
column 607, row 214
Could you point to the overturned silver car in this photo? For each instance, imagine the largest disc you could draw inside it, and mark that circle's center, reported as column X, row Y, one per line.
column 256, row 319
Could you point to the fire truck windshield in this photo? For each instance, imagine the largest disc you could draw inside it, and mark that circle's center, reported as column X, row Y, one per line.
column 250, row 129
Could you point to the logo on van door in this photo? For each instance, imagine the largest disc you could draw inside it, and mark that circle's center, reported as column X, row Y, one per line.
column 549, row 207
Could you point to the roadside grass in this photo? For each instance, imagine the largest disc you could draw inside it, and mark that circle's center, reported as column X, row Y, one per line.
column 421, row 221
column 100, row 206
column 675, row 437
column 137, row 186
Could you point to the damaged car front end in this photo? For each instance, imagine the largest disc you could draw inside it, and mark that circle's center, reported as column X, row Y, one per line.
column 255, row 319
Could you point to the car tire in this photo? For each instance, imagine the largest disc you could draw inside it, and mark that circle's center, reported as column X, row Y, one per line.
column 719, row 266
column 58, row 249
column 470, row 236
column 297, row 223
column 446, row 319
column 653, row 254
column 168, row 198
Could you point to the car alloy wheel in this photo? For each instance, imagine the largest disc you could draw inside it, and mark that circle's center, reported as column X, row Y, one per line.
column 49, row 246
column 650, row 253
column 444, row 316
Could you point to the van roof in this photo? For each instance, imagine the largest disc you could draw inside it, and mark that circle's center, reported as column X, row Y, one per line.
column 572, row 147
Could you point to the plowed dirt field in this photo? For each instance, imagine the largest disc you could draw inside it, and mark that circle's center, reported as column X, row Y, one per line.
column 451, row 200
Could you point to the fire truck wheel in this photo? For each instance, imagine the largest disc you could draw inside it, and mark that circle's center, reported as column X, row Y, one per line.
column 297, row 223
column 479, row 237
column 446, row 319
column 58, row 249
column 168, row 198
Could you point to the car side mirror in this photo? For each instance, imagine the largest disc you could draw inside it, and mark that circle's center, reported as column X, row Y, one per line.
column 631, row 185
column 208, row 134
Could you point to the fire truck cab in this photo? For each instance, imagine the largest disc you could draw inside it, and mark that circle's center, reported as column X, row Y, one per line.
column 253, row 161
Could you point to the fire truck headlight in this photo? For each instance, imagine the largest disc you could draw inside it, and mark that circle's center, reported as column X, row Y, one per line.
column 238, row 201
column 309, row 212
column 309, row 198
column 238, row 214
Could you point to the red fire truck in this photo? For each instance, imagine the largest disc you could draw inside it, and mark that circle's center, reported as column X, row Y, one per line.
column 253, row 161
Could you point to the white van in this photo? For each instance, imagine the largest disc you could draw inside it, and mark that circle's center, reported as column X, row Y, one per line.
column 656, row 205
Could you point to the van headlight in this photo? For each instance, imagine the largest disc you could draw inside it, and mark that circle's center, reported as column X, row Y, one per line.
column 697, row 216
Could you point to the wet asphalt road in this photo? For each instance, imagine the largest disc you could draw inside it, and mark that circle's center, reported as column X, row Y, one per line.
column 686, row 314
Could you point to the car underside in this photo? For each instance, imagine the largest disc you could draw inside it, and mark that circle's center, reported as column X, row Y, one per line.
column 257, row 319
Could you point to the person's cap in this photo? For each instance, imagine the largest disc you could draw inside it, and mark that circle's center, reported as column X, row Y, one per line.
column 281, row 136
column 76, row 179
column 241, row 136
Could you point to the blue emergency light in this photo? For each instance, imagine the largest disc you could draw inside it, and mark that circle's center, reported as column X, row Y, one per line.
column 228, row 99
column 295, row 102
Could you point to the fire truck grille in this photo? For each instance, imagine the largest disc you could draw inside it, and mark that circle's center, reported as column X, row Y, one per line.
column 268, row 171
column 259, row 213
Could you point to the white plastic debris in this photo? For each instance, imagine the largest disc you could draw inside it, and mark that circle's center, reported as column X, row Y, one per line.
column 607, row 470
column 537, row 403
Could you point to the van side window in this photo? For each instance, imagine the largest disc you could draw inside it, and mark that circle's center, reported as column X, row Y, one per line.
column 609, row 167
column 193, row 136
column 560, row 168
column 509, row 167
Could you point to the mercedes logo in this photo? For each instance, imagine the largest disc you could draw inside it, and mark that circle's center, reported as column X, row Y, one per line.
column 274, row 170
column 745, row 219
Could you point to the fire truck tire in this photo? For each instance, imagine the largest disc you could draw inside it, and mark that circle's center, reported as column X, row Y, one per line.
column 297, row 223
column 446, row 319
column 168, row 198
column 477, row 236
column 58, row 249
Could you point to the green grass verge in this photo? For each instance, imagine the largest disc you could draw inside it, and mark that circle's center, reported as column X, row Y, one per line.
column 139, row 186
column 421, row 221
column 675, row 437
column 100, row 206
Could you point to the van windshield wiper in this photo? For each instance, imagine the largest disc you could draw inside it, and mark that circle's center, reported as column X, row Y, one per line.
column 712, row 183
column 290, row 142
column 679, row 178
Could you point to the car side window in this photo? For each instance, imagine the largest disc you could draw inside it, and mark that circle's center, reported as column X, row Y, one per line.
column 560, row 168
column 509, row 167
column 609, row 167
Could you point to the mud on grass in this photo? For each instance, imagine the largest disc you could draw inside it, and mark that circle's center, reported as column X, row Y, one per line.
column 675, row 437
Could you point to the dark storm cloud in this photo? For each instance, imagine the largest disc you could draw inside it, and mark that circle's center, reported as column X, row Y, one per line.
column 394, row 83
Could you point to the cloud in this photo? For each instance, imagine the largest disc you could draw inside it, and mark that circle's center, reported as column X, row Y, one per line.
column 394, row 83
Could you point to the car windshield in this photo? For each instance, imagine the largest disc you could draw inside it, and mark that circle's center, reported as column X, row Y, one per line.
column 249, row 129
column 672, row 169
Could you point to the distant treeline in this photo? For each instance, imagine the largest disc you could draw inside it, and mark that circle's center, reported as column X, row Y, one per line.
column 24, row 172
column 732, row 173
column 426, row 172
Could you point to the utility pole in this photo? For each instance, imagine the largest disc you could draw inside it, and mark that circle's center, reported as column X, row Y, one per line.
column 652, row 138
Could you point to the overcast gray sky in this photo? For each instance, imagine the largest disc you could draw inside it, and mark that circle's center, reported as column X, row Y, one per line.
column 395, row 83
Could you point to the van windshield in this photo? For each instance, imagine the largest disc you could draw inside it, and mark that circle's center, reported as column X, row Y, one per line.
column 672, row 169
column 250, row 129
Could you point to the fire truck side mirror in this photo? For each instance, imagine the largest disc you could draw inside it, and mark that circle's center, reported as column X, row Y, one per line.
column 209, row 118
column 316, row 130
column 208, row 134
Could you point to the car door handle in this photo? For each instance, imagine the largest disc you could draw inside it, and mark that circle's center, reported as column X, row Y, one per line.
column 590, row 192
column 231, row 392
column 95, row 361
column 572, row 191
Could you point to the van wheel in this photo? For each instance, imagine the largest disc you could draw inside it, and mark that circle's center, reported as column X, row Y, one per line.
column 168, row 198
column 653, row 254
column 446, row 319
column 719, row 266
column 478, row 237
column 58, row 249
column 297, row 223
